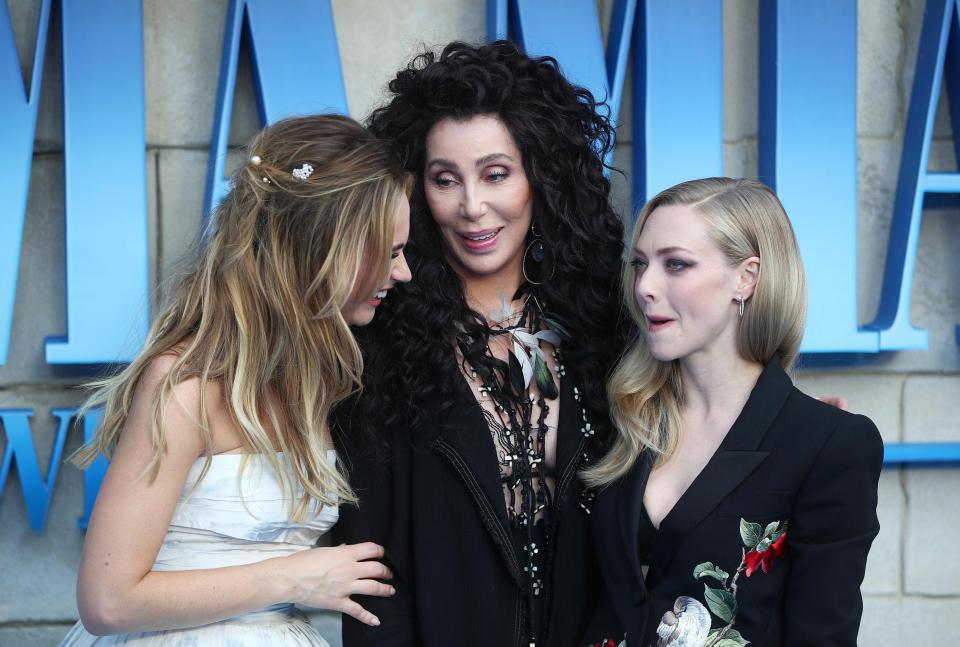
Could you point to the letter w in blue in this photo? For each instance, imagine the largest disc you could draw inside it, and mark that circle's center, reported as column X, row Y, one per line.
column 20, row 449
column 104, row 160
column 37, row 492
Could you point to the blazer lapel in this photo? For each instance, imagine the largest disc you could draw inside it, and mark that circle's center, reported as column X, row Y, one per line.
column 629, row 504
column 465, row 429
column 737, row 457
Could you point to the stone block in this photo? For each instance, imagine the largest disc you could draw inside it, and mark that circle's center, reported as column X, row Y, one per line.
column 879, row 50
column 44, row 635
column 890, row 621
column 931, row 525
column 40, row 302
column 929, row 408
column 182, row 182
column 876, row 396
column 40, row 568
column 883, row 563
column 372, row 51
column 740, row 70
column 183, row 45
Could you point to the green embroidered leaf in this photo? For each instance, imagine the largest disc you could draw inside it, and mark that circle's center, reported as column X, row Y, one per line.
column 728, row 642
column 751, row 533
column 770, row 529
column 709, row 569
column 731, row 639
column 764, row 545
column 548, row 388
column 721, row 603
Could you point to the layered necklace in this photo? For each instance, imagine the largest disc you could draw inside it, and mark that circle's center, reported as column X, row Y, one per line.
column 520, row 436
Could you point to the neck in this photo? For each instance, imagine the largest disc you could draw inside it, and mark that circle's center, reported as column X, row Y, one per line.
column 717, row 385
column 486, row 294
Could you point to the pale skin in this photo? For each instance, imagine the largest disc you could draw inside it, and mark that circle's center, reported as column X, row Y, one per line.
column 482, row 202
column 117, row 592
column 690, row 294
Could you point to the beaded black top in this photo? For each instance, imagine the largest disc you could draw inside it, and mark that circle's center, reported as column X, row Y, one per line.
column 518, row 423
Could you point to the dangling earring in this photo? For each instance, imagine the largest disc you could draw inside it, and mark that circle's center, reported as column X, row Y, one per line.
column 541, row 256
column 740, row 299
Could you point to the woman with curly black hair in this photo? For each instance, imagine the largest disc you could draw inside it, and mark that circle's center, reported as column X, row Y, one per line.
column 484, row 388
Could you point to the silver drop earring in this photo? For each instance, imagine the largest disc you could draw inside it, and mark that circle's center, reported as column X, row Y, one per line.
column 740, row 299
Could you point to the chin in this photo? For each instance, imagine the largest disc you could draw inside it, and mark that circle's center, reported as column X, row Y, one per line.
column 360, row 317
column 662, row 354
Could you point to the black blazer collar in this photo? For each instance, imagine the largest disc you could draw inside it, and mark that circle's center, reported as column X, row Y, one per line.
column 736, row 458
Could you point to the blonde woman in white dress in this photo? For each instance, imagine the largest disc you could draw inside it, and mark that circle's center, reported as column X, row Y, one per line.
column 222, row 475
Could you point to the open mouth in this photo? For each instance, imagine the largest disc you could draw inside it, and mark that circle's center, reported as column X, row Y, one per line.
column 375, row 301
column 480, row 240
column 657, row 323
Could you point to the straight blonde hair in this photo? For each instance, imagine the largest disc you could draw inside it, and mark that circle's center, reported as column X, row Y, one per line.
column 259, row 310
column 745, row 219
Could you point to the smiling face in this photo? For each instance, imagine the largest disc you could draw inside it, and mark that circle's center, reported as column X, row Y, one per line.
column 360, row 308
column 685, row 286
column 479, row 197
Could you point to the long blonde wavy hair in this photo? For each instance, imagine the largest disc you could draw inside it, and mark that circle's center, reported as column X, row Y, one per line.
column 745, row 219
column 258, row 312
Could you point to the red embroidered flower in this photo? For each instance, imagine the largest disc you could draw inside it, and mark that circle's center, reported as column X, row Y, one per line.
column 764, row 560
column 606, row 643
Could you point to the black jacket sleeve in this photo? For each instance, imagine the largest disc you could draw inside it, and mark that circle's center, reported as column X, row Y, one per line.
column 833, row 524
column 382, row 517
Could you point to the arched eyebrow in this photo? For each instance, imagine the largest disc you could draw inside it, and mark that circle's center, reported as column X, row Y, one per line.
column 483, row 161
column 492, row 157
column 663, row 251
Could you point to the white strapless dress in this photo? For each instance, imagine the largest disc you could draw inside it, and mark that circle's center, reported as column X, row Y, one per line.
column 214, row 527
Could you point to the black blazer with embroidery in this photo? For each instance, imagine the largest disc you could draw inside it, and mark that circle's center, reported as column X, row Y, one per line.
column 789, row 461
column 437, row 506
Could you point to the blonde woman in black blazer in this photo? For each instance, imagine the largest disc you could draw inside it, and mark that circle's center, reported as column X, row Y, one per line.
column 733, row 508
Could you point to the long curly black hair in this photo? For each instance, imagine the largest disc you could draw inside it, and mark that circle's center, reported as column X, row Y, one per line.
column 563, row 135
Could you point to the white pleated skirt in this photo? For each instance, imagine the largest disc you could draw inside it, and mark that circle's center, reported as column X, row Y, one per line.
column 277, row 626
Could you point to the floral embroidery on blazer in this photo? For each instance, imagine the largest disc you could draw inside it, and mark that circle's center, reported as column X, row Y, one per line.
column 688, row 623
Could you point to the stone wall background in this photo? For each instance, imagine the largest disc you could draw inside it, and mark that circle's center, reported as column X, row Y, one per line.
column 912, row 588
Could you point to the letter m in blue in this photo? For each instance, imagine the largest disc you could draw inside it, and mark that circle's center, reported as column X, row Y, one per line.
column 105, row 176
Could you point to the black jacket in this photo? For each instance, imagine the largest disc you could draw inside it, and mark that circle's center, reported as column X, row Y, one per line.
column 787, row 457
column 438, row 507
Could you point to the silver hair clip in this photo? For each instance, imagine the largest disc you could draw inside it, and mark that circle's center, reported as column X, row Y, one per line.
column 303, row 172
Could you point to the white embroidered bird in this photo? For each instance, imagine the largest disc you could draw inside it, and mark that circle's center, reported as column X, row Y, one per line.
column 686, row 626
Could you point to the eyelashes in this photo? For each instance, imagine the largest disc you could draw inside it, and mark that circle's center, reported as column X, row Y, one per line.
column 446, row 180
column 673, row 265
